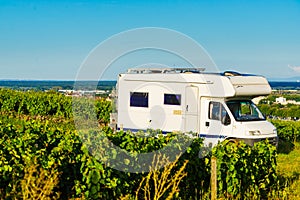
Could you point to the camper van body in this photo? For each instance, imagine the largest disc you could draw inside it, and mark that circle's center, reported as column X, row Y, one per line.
column 215, row 106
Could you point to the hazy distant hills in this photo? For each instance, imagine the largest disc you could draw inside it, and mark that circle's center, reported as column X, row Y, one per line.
column 292, row 79
column 276, row 83
column 56, row 84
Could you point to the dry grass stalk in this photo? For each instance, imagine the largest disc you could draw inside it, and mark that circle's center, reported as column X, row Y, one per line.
column 161, row 181
column 39, row 185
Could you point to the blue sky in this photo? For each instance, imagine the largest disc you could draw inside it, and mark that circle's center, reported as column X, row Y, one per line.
column 50, row 39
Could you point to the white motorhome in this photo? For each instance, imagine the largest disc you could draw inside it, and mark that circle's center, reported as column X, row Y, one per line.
column 215, row 106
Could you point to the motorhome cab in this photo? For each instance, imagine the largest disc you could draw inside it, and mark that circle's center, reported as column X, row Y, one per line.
column 216, row 106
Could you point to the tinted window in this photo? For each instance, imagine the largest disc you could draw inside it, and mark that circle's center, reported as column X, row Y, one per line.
column 172, row 99
column 138, row 99
column 214, row 110
column 218, row 112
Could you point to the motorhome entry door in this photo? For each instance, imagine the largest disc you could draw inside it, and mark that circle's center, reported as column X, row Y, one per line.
column 191, row 109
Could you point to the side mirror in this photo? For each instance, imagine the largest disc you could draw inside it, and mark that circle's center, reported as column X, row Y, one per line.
column 226, row 120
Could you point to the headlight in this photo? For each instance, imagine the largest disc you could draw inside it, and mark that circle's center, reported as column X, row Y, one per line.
column 275, row 131
column 256, row 132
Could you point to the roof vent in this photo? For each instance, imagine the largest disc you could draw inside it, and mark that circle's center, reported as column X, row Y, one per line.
column 231, row 73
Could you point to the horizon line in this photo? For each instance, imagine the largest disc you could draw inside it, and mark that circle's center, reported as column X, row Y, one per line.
column 52, row 80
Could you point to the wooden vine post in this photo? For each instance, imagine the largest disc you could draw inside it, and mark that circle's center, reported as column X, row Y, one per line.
column 213, row 178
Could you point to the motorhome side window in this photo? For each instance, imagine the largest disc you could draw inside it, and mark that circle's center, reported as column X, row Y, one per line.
column 139, row 99
column 172, row 99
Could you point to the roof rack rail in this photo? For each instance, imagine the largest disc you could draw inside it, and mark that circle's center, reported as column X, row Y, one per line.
column 164, row 70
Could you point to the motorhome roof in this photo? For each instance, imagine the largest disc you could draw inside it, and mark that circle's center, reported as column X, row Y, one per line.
column 181, row 70
column 164, row 70
column 225, row 84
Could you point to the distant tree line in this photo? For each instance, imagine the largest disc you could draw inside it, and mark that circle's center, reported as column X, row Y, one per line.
column 271, row 109
column 55, row 85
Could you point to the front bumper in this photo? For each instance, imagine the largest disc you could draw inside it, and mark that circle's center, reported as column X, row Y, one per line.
column 252, row 141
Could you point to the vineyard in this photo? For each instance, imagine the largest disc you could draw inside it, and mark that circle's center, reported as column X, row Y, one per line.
column 272, row 109
column 43, row 156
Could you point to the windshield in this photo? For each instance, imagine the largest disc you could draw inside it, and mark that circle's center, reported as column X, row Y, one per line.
column 244, row 110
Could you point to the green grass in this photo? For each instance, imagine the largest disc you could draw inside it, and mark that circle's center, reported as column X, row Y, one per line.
column 289, row 171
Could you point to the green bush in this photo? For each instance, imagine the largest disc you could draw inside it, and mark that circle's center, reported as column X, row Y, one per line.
column 288, row 130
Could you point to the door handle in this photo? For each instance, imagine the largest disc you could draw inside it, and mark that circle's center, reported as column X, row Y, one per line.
column 187, row 108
